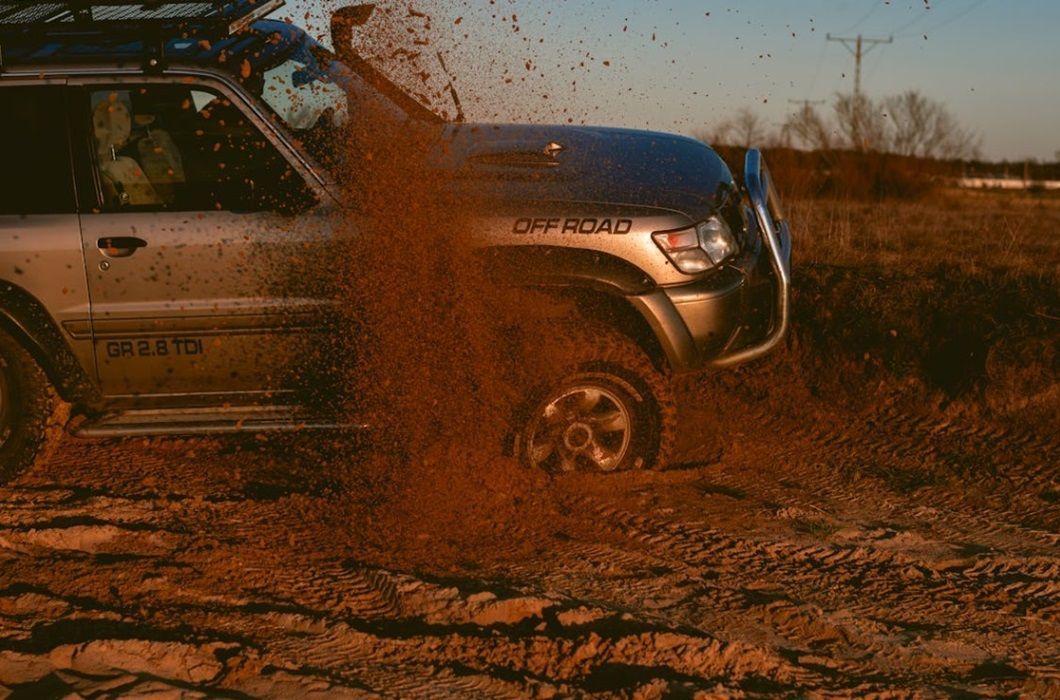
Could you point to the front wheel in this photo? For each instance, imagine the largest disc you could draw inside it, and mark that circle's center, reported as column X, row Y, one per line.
column 26, row 406
column 604, row 407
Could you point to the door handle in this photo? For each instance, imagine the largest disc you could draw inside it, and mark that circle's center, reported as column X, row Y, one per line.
column 120, row 246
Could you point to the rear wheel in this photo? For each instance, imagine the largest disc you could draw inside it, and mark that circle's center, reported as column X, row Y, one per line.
column 26, row 405
column 604, row 407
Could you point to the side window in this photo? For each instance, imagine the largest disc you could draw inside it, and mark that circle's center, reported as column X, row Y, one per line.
column 186, row 148
column 35, row 176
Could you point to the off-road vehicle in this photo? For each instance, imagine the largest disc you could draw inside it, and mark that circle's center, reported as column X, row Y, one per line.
column 151, row 155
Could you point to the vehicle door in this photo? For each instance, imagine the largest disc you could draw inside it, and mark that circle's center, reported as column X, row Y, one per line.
column 205, row 248
column 42, row 277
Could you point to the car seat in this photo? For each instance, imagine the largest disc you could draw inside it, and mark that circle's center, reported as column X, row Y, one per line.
column 161, row 161
column 124, row 181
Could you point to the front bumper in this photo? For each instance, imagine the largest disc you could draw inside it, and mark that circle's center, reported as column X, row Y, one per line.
column 743, row 311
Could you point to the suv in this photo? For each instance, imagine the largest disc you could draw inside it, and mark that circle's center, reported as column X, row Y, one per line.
column 151, row 155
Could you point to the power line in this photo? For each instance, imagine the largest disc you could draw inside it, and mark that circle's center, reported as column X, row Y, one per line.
column 874, row 66
column 872, row 10
column 960, row 15
column 857, row 46
column 926, row 12
column 817, row 70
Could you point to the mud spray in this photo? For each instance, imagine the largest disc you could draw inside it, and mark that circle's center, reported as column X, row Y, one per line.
column 434, row 363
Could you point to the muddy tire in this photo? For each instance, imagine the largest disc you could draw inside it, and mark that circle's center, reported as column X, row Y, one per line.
column 26, row 406
column 604, row 407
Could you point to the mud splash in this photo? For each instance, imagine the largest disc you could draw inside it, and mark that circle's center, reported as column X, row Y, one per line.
column 432, row 360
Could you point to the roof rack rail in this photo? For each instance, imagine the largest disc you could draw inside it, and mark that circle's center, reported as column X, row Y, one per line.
column 153, row 21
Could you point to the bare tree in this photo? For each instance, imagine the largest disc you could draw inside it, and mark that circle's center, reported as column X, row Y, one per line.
column 922, row 127
column 717, row 135
column 807, row 129
column 907, row 124
column 745, row 128
column 748, row 128
column 860, row 122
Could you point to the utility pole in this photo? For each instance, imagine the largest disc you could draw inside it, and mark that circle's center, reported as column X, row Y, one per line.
column 857, row 46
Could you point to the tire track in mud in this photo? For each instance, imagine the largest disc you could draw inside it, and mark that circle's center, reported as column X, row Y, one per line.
column 453, row 618
column 321, row 598
column 695, row 544
column 800, row 617
column 779, row 565
column 826, row 451
column 919, row 588
column 667, row 590
column 886, row 429
column 397, row 661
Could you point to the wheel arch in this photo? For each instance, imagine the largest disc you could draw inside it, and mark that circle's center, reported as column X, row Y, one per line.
column 616, row 311
column 24, row 318
column 603, row 287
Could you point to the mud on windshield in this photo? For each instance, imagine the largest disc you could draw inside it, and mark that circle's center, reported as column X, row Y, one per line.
column 316, row 96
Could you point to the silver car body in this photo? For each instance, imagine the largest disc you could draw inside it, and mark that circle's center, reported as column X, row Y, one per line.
column 209, row 312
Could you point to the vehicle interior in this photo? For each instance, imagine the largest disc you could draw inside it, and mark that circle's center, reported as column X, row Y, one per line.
column 181, row 147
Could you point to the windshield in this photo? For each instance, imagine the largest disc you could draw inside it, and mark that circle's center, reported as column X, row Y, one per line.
column 309, row 93
column 312, row 92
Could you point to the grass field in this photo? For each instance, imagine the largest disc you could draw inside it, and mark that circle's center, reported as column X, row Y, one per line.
column 959, row 293
column 1006, row 233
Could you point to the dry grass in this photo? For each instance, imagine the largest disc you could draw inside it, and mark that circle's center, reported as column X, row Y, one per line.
column 971, row 232
column 957, row 296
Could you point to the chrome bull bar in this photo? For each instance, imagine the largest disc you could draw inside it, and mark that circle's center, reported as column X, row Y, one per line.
column 777, row 238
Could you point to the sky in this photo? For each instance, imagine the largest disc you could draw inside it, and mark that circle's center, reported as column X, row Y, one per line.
column 684, row 66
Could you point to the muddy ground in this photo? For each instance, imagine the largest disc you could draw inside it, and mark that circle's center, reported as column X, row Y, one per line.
column 842, row 519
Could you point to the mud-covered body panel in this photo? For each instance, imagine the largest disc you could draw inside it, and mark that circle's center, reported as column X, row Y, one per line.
column 44, row 293
column 588, row 164
column 587, row 188
column 618, row 230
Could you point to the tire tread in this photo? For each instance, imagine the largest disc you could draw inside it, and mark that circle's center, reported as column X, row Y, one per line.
column 36, row 431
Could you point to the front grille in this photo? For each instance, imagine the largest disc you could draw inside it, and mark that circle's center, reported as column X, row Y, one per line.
column 733, row 213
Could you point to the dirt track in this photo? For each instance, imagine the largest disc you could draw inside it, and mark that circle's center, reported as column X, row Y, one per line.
column 845, row 551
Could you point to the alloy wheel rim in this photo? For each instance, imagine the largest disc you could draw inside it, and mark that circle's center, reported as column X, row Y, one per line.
column 585, row 428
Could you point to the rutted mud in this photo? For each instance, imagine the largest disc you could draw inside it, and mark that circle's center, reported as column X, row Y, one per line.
column 801, row 545
column 840, row 519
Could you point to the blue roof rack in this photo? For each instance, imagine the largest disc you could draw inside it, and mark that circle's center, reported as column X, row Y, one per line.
column 155, row 22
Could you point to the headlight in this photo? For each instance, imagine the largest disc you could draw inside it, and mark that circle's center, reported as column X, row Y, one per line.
column 716, row 238
column 698, row 248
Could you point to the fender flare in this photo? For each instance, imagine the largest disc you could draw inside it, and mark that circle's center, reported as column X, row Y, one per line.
column 558, row 266
column 641, row 307
column 29, row 323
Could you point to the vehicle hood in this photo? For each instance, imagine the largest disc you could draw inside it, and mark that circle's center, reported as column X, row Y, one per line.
column 586, row 164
